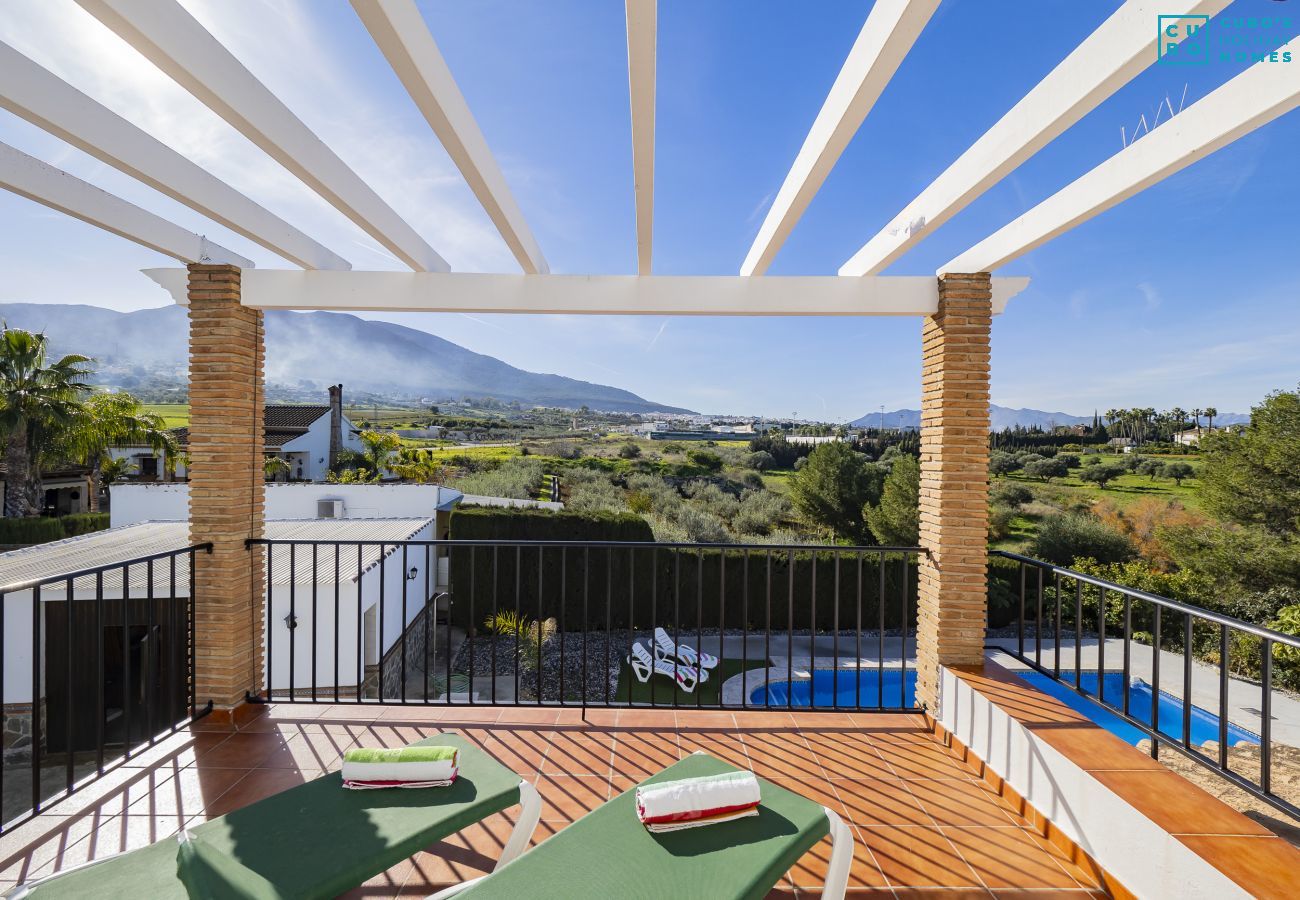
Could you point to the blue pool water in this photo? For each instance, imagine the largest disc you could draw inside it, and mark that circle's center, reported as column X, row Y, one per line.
column 1205, row 725
column 829, row 689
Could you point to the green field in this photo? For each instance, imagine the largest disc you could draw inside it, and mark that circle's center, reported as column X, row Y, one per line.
column 1071, row 492
column 175, row 415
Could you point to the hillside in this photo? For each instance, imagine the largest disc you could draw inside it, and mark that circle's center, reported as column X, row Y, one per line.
column 309, row 351
column 1001, row 417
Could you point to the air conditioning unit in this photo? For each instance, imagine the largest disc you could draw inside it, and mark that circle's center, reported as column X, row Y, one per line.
column 329, row 509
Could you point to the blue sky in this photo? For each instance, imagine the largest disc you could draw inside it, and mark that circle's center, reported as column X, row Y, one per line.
column 1185, row 295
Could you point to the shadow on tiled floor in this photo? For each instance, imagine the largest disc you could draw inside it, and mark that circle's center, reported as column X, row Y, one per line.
column 921, row 819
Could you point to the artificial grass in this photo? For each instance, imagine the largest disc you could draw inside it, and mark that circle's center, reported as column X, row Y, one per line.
column 666, row 692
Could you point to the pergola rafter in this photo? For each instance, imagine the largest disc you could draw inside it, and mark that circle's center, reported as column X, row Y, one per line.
column 50, row 103
column 1109, row 58
column 29, row 177
column 400, row 33
column 1254, row 98
column 891, row 29
column 642, row 36
column 168, row 36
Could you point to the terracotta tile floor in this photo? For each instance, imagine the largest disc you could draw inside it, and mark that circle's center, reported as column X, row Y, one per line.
column 920, row 818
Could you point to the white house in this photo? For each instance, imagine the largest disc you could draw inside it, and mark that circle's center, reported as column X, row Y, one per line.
column 134, row 643
column 307, row 436
column 133, row 503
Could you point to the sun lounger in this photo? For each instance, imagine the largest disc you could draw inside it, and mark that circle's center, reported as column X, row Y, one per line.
column 314, row 840
column 609, row 853
column 645, row 665
column 669, row 649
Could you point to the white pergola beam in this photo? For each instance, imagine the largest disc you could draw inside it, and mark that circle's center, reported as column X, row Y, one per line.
column 42, row 98
column 403, row 37
column 174, row 41
column 660, row 295
column 1121, row 47
column 642, row 35
column 1252, row 99
column 886, row 37
column 29, row 177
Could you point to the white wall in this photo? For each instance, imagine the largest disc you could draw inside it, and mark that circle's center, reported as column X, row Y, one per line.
column 1141, row 855
column 134, row 503
column 393, row 582
column 315, row 447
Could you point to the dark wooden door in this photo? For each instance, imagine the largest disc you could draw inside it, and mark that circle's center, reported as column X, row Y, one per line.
column 118, row 672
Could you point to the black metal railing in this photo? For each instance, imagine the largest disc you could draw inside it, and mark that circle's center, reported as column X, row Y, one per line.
column 1062, row 613
column 557, row 622
column 95, row 665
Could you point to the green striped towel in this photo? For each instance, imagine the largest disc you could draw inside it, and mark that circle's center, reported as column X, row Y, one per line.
column 400, row 755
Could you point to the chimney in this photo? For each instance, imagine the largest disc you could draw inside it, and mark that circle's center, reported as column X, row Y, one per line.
column 336, row 423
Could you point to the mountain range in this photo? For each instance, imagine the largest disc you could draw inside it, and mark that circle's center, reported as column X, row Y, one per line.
column 1001, row 417
column 306, row 352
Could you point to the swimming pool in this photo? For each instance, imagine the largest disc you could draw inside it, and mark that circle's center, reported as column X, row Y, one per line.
column 1205, row 725
column 830, row 688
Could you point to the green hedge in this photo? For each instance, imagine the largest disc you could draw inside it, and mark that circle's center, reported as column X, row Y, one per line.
column 610, row 587
column 31, row 530
column 84, row 523
column 491, row 523
column 43, row 529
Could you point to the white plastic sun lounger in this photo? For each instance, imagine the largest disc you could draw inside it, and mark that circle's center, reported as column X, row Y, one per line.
column 667, row 648
column 644, row 665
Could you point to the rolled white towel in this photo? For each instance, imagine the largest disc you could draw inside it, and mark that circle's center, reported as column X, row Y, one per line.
column 407, row 766
column 689, row 802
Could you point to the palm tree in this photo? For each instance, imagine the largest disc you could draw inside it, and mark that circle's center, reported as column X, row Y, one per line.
column 1210, row 413
column 39, row 401
column 1196, row 415
column 114, row 469
column 379, row 446
column 113, row 420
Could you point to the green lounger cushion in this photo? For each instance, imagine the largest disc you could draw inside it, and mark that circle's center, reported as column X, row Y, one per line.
column 608, row 853
column 314, row 840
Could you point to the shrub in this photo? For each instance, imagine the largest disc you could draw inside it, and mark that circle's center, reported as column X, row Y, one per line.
column 530, row 524
column 760, row 512
column 84, row 523
column 1101, row 475
column 1046, row 469
column 517, row 478
column 35, row 530
column 1177, row 471
column 1000, row 519
column 629, row 451
column 704, row 459
column 1064, row 538
column 760, row 460
column 1011, row 494
column 1071, row 460
column 1001, row 463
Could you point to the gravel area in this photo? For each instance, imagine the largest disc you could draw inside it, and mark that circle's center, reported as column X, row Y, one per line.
column 604, row 656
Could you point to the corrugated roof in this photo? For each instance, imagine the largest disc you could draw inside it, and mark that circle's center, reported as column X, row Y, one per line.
column 117, row 546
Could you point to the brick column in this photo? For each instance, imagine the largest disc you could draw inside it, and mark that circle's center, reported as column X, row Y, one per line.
column 953, row 594
column 226, row 484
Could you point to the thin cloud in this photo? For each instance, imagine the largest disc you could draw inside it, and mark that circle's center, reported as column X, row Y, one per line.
column 658, row 334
